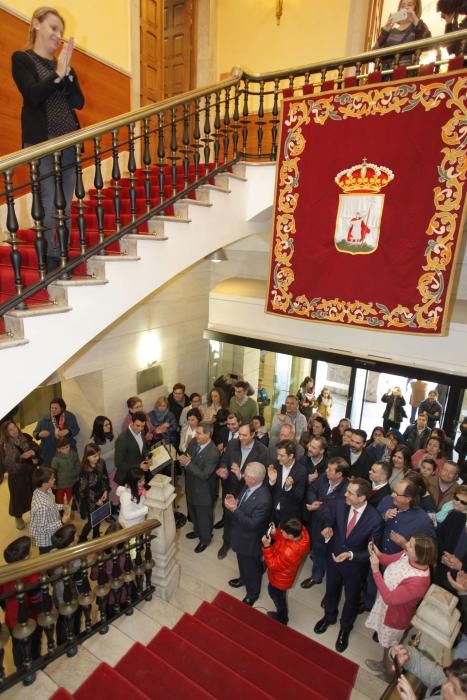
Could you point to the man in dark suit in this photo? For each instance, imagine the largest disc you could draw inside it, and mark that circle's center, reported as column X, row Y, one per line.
column 200, row 464
column 417, row 434
column 131, row 450
column 379, row 477
column 315, row 459
column 350, row 525
column 356, row 455
column 287, row 481
column 329, row 486
column 251, row 513
column 238, row 454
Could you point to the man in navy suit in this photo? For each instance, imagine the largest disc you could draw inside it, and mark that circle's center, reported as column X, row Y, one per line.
column 251, row 513
column 350, row 525
column 287, row 480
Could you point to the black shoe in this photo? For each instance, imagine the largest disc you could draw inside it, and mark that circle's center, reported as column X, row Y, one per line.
column 375, row 637
column 200, row 548
column 223, row 551
column 322, row 625
column 236, row 583
column 191, row 536
column 249, row 601
column 272, row 614
column 219, row 525
column 342, row 641
column 309, row 583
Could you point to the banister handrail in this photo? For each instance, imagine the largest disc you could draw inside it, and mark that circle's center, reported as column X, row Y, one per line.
column 52, row 560
column 25, row 155
column 366, row 57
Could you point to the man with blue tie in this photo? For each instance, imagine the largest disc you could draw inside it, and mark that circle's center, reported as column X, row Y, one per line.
column 350, row 525
column 251, row 513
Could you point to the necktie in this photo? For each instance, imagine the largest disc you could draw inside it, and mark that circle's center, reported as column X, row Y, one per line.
column 245, row 495
column 351, row 524
column 197, row 450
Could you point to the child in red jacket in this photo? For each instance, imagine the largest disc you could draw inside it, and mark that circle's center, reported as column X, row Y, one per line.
column 283, row 553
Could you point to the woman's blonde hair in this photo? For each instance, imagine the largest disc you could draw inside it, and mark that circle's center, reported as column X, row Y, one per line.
column 40, row 14
column 418, row 7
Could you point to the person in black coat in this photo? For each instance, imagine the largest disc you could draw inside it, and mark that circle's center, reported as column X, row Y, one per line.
column 200, row 464
column 417, row 434
column 287, row 481
column 355, row 454
column 238, row 453
column 51, row 94
column 379, row 476
column 131, row 450
column 350, row 525
column 394, row 412
column 251, row 513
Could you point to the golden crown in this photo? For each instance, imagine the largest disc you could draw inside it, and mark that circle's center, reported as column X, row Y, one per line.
column 365, row 177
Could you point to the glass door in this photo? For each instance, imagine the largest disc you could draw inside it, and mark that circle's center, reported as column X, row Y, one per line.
column 336, row 378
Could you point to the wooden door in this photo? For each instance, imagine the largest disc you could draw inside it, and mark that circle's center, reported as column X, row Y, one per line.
column 151, row 37
column 178, row 46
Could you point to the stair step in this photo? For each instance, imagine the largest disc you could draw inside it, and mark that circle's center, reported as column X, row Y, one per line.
column 61, row 694
column 260, row 670
column 303, row 669
column 140, row 667
column 299, row 643
column 104, row 682
column 222, row 682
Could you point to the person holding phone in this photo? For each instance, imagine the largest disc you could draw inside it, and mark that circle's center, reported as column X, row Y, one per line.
column 93, row 488
column 51, row 94
column 401, row 27
column 406, row 580
column 441, row 683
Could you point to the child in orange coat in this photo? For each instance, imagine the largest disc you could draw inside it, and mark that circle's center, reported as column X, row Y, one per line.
column 284, row 550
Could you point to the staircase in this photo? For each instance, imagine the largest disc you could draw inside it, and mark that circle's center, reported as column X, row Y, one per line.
column 225, row 650
column 59, row 322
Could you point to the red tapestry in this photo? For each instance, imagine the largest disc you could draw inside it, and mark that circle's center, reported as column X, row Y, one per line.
column 369, row 204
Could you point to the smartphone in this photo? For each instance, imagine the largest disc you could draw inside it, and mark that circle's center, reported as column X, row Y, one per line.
column 233, row 376
column 283, row 409
column 399, row 16
column 270, row 529
column 398, row 667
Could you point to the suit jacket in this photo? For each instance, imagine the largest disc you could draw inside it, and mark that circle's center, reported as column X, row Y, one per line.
column 412, row 439
column 318, row 491
column 360, row 468
column 290, row 502
column 127, row 455
column 233, row 454
column 200, row 474
column 250, row 521
column 369, row 526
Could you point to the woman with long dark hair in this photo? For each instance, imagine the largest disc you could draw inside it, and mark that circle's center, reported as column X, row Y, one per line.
column 104, row 437
column 19, row 457
column 132, row 508
column 93, row 488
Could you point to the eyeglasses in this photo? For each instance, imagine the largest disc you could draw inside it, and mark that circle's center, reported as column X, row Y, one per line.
column 456, row 498
column 394, row 493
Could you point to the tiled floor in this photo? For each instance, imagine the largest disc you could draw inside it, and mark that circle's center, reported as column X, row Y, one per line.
column 202, row 576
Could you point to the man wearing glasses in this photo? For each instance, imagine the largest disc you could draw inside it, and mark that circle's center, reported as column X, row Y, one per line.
column 403, row 517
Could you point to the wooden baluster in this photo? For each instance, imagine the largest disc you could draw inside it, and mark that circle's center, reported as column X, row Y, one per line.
column 86, row 596
column 37, row 215
column 4, row 637
column 358, row 71
column 236, row 119
column 260, row 121
column 217, row 126
column 12, row 226
column 323, row 77
column 67, row 608
column 173, row 148
column 340, row 76
column 207, row 132
column 116, row 580
column 128, row 579
column 147, row 166
column 80, row 194
column 149, row 564
column 132, row 171
column 245, row 115
column 161, row 155
column 291, row 83
column 116, row 176
column 102, row 591
column 186, row 144
column 226, row 124
column 139, row 566
column 197, row 137
column 275, row 119
column 48, row 615
column 23, row 632
column 307, row 78
column 60, row 207
column 99, row 184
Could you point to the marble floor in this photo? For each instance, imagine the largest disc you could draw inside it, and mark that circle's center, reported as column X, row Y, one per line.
column 202, row 576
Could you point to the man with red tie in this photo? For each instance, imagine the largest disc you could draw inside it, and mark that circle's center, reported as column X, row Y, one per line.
column 350, row 525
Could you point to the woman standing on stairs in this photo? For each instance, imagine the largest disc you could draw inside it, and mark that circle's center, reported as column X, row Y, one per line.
column 51, row 92
column 19, row 458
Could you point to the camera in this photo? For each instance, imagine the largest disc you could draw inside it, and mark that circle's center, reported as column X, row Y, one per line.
column 399, row 16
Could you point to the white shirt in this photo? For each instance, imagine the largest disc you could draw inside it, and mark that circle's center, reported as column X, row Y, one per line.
column 359, row 513
column 354, row 456
column 138, row 437
column 285, row 473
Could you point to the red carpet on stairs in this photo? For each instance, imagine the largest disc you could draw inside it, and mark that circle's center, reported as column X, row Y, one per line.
column 229, row 651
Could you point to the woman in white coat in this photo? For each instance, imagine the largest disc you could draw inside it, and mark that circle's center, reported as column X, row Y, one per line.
column 132, row 508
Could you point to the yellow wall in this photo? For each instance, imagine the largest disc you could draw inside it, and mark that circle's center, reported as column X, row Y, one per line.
column 101, row 27
column 310, row 30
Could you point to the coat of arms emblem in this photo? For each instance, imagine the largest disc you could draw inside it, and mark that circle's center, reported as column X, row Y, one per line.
column 360, row 207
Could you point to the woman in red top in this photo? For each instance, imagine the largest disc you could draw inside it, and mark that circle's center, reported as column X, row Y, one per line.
column 283, row 551
column 407, row 578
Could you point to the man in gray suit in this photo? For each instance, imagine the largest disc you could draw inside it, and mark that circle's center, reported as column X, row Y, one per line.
column 200, row 464
column 251, row 513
